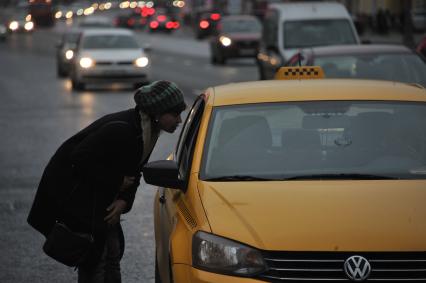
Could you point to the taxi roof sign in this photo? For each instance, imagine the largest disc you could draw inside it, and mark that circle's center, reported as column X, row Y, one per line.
column 299, row 73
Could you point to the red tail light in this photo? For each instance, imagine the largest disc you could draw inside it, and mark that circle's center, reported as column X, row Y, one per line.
column 161, row 18
column 169, row 25
column 204, row 24
column 153, row 24
column 215, row 16
column 176, row 25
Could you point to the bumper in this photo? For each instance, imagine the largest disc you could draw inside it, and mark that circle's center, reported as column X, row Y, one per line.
column 128, row 74
column 185, row 273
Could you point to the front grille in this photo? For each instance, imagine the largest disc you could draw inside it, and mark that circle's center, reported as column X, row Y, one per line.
column 107, row 63
column 329, row 266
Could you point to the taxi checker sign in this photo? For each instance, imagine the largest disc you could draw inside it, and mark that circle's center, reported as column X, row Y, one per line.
column 357, row 268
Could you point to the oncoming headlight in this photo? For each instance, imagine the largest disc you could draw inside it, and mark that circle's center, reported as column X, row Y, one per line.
column 226, row 41
column 29, row 26
column 142, row 62
column 220, row 255
column 86, row 62
column 13, row 25
column 69, row 54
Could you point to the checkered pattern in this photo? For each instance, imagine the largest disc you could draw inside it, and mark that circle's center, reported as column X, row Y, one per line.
column 301, row 72
column 160, row 97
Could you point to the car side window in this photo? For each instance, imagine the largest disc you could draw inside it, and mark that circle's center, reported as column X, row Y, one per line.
column 270, row 29
column 187, row 138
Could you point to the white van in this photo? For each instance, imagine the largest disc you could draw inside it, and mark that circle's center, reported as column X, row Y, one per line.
column 288, row 27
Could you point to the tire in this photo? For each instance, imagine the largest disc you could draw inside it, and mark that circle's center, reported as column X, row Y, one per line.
column 221, row 59
column 213, row 58
column 76, row 85
column 60, row 72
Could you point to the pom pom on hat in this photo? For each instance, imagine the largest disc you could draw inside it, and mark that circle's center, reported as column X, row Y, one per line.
column 160, row 97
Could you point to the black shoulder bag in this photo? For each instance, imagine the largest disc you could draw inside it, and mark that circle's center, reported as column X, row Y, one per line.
column 69, row 247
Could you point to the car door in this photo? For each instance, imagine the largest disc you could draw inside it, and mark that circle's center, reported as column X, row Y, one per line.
column 167, row 199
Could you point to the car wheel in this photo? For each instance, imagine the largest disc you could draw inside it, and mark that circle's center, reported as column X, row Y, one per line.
column 221, row 59
column 213, row 59
column 76, row 85
column 60, row 71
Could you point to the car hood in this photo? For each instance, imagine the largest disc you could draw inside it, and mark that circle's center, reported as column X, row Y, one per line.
column 112, row 54
column 377, row 215
column 243, row 36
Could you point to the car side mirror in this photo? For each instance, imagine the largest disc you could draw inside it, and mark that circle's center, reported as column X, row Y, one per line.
column 163, row 173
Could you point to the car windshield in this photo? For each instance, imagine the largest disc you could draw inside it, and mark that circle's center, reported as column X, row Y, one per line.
column 408, row 68
column 109, row 42
column 243, row 25
column 316, row 139
column 299, row 34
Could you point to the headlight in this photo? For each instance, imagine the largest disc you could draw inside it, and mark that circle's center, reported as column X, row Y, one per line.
column 226, row 41
column 220, row 255
column 13, row 25
column 86, row 62
column 29, row 26
column 142, row 62
column 69, row 54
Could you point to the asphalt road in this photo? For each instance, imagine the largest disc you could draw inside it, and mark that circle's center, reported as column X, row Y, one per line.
column 38, row 111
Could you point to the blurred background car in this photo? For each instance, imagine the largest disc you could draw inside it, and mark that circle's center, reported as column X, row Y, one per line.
column 163, row 21
column 236, row 36
column 20, row 21
column 3, row 32
column 375, row 61
column 288, row 27
column 109, row 55
column 131, row 19
column 206, row 24
column 65, row 50
column 95, row 22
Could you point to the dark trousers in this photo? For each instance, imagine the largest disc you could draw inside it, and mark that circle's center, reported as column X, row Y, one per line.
column 108, row 268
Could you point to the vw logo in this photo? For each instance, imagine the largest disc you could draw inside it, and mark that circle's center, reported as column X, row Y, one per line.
column 357, row 268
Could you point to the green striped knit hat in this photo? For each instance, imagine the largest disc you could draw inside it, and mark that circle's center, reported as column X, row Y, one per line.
column 160, row 97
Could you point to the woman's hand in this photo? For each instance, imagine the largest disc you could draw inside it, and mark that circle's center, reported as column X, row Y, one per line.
column 115, row 210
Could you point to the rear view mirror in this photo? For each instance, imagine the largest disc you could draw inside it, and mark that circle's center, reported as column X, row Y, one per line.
column 163, row 173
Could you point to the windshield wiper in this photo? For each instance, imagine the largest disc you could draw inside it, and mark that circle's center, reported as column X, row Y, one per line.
column 238, row 178
column 341, row 176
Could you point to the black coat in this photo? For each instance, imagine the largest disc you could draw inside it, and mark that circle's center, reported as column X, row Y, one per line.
column 93, row 162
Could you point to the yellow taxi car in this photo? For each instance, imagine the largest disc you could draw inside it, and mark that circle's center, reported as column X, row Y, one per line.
column 294, row 181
